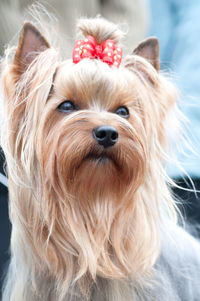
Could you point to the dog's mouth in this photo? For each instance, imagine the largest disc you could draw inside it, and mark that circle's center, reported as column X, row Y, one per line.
column 99, row 158
column 103, row 158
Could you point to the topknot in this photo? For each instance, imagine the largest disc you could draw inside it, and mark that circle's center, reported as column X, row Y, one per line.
column 100, row 29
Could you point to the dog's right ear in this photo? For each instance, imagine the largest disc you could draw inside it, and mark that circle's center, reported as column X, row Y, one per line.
column 31, row 43
column 149, row 49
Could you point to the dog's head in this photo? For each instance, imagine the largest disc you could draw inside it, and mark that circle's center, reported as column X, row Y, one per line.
column 86, row 141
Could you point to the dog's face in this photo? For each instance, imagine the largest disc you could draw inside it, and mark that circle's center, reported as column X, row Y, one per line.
column 87, row 139
column 92, row 138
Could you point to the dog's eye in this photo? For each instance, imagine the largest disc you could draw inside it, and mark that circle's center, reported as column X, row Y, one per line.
column 67, row 107
column 123, row 112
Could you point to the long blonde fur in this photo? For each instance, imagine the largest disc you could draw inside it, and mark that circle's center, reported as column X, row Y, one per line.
column 82, row 231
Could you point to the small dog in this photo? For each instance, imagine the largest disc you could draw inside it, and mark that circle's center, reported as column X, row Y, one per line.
column 85, row 141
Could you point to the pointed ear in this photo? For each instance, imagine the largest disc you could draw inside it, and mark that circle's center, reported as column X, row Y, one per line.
column 149, row 49
column 31, row 43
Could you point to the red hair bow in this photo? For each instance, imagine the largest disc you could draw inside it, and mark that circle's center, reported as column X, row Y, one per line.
column 88, row 48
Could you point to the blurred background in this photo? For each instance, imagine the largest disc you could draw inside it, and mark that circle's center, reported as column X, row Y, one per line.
column 177, row 25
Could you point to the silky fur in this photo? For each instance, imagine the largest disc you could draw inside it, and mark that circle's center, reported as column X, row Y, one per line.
column 85, row 229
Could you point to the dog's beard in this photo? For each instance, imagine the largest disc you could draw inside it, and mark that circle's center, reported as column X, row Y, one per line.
column 90, row 198
column 96, row 173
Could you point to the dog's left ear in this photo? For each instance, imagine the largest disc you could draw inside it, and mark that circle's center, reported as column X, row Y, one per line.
column 31, row 43
column 149, row 49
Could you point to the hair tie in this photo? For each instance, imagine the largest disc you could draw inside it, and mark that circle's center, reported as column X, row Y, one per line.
column 107, row 52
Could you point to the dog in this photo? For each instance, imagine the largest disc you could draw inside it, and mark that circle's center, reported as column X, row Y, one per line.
column 85, row 144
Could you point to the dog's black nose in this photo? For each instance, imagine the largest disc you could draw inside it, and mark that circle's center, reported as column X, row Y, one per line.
column 105, row 135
